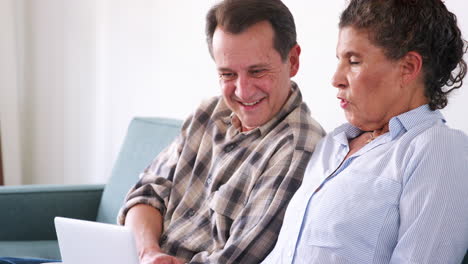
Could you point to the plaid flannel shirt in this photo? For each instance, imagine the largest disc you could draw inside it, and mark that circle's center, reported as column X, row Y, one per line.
column 223, row 193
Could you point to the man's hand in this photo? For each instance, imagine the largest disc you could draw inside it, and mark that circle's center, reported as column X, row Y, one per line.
column 146, row 224
column 155, row 256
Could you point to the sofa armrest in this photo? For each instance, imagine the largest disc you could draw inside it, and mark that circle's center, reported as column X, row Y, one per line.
column 27, row 212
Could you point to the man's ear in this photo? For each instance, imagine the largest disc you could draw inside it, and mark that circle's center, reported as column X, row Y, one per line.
column 293, row 58
column 411, row 67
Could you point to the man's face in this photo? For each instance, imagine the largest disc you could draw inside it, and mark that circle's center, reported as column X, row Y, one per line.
column 254, row 79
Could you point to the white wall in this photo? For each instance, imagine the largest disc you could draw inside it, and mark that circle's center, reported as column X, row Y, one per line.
column 92, row 65
column 147, row 67
column 51, row 92
column 456, row 111
column 10, row 90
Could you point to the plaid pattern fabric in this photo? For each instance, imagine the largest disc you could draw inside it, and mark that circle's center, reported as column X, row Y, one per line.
column 223, row 193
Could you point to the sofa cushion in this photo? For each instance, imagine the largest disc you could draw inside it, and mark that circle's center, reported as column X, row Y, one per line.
column 47, row 249
column 146, row 137
column 28, row 211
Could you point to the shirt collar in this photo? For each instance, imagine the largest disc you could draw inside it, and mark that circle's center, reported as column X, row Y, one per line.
column 293, row 101
column 414, row 117
column 397, row 125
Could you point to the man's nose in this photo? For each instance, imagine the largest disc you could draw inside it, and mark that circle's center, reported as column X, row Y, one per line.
column 244, row 88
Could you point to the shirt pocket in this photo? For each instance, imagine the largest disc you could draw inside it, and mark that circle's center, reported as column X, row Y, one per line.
column 226, row 205
column 350, row 212
column 228, row 201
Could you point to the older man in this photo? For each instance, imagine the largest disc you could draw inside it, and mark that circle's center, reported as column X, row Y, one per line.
column 219, row 192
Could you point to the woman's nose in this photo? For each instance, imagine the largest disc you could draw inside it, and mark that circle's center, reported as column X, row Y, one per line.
column 339, row 78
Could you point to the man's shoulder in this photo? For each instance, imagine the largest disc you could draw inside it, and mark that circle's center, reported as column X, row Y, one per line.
column 208, row 110
column 213, row 107
column 303, row 128
column 209, row 104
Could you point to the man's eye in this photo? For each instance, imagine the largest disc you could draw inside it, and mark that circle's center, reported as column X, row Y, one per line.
column 354, row 62
column 257, row 73
column 227, row 76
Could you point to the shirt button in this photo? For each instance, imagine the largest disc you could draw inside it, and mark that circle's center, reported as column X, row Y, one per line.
column 208, row 180
column 229, row 147
column 190, row 212
column 163, row 239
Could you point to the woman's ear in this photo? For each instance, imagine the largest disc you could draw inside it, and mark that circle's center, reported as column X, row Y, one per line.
column 411, row 67
column 293, row 58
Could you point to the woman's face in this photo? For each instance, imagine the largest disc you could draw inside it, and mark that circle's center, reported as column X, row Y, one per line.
column 370, row 86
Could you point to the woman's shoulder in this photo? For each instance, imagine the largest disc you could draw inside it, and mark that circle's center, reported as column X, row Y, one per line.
column 442, row 137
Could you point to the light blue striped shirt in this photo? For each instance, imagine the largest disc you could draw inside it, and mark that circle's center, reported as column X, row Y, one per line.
column 402, row 198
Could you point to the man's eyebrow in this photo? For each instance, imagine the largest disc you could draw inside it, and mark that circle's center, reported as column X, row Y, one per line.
column 255, row 66
column 261, row 65
column 224, row 69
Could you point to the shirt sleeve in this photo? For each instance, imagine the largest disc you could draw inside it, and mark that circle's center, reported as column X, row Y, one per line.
column 254, row 231
column 433, row 204
column 155, row 183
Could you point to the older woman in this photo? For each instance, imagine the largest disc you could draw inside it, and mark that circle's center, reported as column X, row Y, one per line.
column 390, row 186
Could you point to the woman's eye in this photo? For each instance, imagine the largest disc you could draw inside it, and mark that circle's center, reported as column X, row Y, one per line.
column 353, row 60
column 227, row 76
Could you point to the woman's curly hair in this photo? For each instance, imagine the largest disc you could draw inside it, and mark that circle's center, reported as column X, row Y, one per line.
column 424, row 26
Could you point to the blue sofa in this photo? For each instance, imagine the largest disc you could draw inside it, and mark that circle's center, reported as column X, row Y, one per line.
column 27, row 212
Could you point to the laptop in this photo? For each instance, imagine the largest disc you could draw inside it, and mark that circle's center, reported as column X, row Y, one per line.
column 94, row 243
